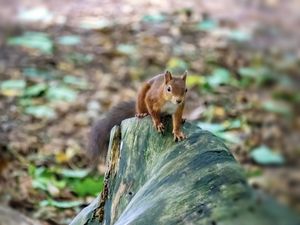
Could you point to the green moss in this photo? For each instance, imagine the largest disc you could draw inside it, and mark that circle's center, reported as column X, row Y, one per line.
column 195, row 181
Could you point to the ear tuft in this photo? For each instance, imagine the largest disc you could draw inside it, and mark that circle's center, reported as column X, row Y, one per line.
column 168, row 76
column 183, row 77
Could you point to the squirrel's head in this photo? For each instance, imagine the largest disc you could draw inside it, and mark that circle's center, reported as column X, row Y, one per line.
column 174, row 88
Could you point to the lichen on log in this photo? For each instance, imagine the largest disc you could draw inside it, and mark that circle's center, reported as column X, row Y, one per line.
column 154, row 180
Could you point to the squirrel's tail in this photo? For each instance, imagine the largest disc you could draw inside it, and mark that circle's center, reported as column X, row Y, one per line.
column 99, row 134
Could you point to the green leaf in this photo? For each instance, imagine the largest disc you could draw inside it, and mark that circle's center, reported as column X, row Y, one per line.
column 35, row 15
column 239, row 35
column 61, row 93
column 31, row 169
column 232, row 124
column 231, row 137
column 35, row 90
column 255, row 72
column 263, row 155
column 13, row 84
column 219, row 76
column 212, row 127
column 26, row 102
column 95, row 24
column 207, row 25
column 194, row 80
column 69, row 40
column 39, row 171
column 41, row 111
column 37, row 73
column 177, row 65
column 44, row 182
column 44, row 178
column 39, row 184
column 76, row 81
column 260, row 75
column 278, row 107
column 35, row 40
column 79, row 58
column 248, row 72
column 12, row 87
column 74, row 173
column 127, row 49
column 88, row 186
column 221, row 130
column 60, row 204
column 154, row 18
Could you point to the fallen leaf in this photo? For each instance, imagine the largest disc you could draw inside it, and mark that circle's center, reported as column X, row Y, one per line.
column 230, row 136
column 41, row 111
column 218, row 77
column 37, row 14
column 278, row 107
column 212, row 127
column 37, row 73
column 177, row 65
column 36, row 40
column 95, row 23
column 74, row 173
column 76, row 81
column 126, row 49
column 69, row 40
column 60, row 204
column 35, row 90
column 88, row 186
column 63, row 93
column 263, row 155
column 239, row 35
column 194, row 80
column 154, row 18
column 79, row 58
column 207, row 25
column 12, row 87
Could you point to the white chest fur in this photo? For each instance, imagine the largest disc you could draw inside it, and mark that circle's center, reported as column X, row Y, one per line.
column 169, row 108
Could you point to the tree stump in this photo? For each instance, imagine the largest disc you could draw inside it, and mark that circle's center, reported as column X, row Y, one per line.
column 151, row 179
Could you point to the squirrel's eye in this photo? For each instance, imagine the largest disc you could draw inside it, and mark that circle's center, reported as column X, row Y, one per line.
column 186, row 90
column 169, row 89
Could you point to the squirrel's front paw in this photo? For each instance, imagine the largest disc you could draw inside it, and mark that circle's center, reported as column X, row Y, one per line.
column 179, row 136
column 159, row 127
column 141, row 115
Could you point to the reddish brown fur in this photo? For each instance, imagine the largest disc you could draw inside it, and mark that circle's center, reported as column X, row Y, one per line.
column 151, row 99
column 153, row 96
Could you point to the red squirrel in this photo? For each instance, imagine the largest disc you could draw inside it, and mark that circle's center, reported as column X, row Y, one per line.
column 162, row 95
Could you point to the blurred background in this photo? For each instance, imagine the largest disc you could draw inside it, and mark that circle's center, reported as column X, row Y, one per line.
column 63, row 64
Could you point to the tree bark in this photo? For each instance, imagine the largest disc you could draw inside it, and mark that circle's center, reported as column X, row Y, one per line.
column 150, row 179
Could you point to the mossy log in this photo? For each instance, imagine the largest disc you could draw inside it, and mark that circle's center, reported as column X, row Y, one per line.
column 151, row 180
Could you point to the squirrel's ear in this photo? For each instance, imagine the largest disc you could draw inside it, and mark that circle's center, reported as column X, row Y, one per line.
column 183, row 77
column 168, row 76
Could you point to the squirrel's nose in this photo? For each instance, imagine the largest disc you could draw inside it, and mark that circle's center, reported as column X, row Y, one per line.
column 178, row 101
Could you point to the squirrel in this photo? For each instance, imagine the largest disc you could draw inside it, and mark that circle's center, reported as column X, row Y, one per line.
column 162, row 95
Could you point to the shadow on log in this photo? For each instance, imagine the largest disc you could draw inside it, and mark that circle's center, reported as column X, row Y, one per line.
column 150, row 179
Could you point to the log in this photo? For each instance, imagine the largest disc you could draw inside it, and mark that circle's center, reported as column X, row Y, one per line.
column 150, row 179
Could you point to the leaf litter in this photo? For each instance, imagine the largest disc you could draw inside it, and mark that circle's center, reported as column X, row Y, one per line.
column 60, row 81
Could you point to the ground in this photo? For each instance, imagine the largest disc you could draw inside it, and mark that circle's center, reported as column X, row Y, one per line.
column 63, row 65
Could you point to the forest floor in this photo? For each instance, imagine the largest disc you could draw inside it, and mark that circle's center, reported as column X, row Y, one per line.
column 62, row 65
